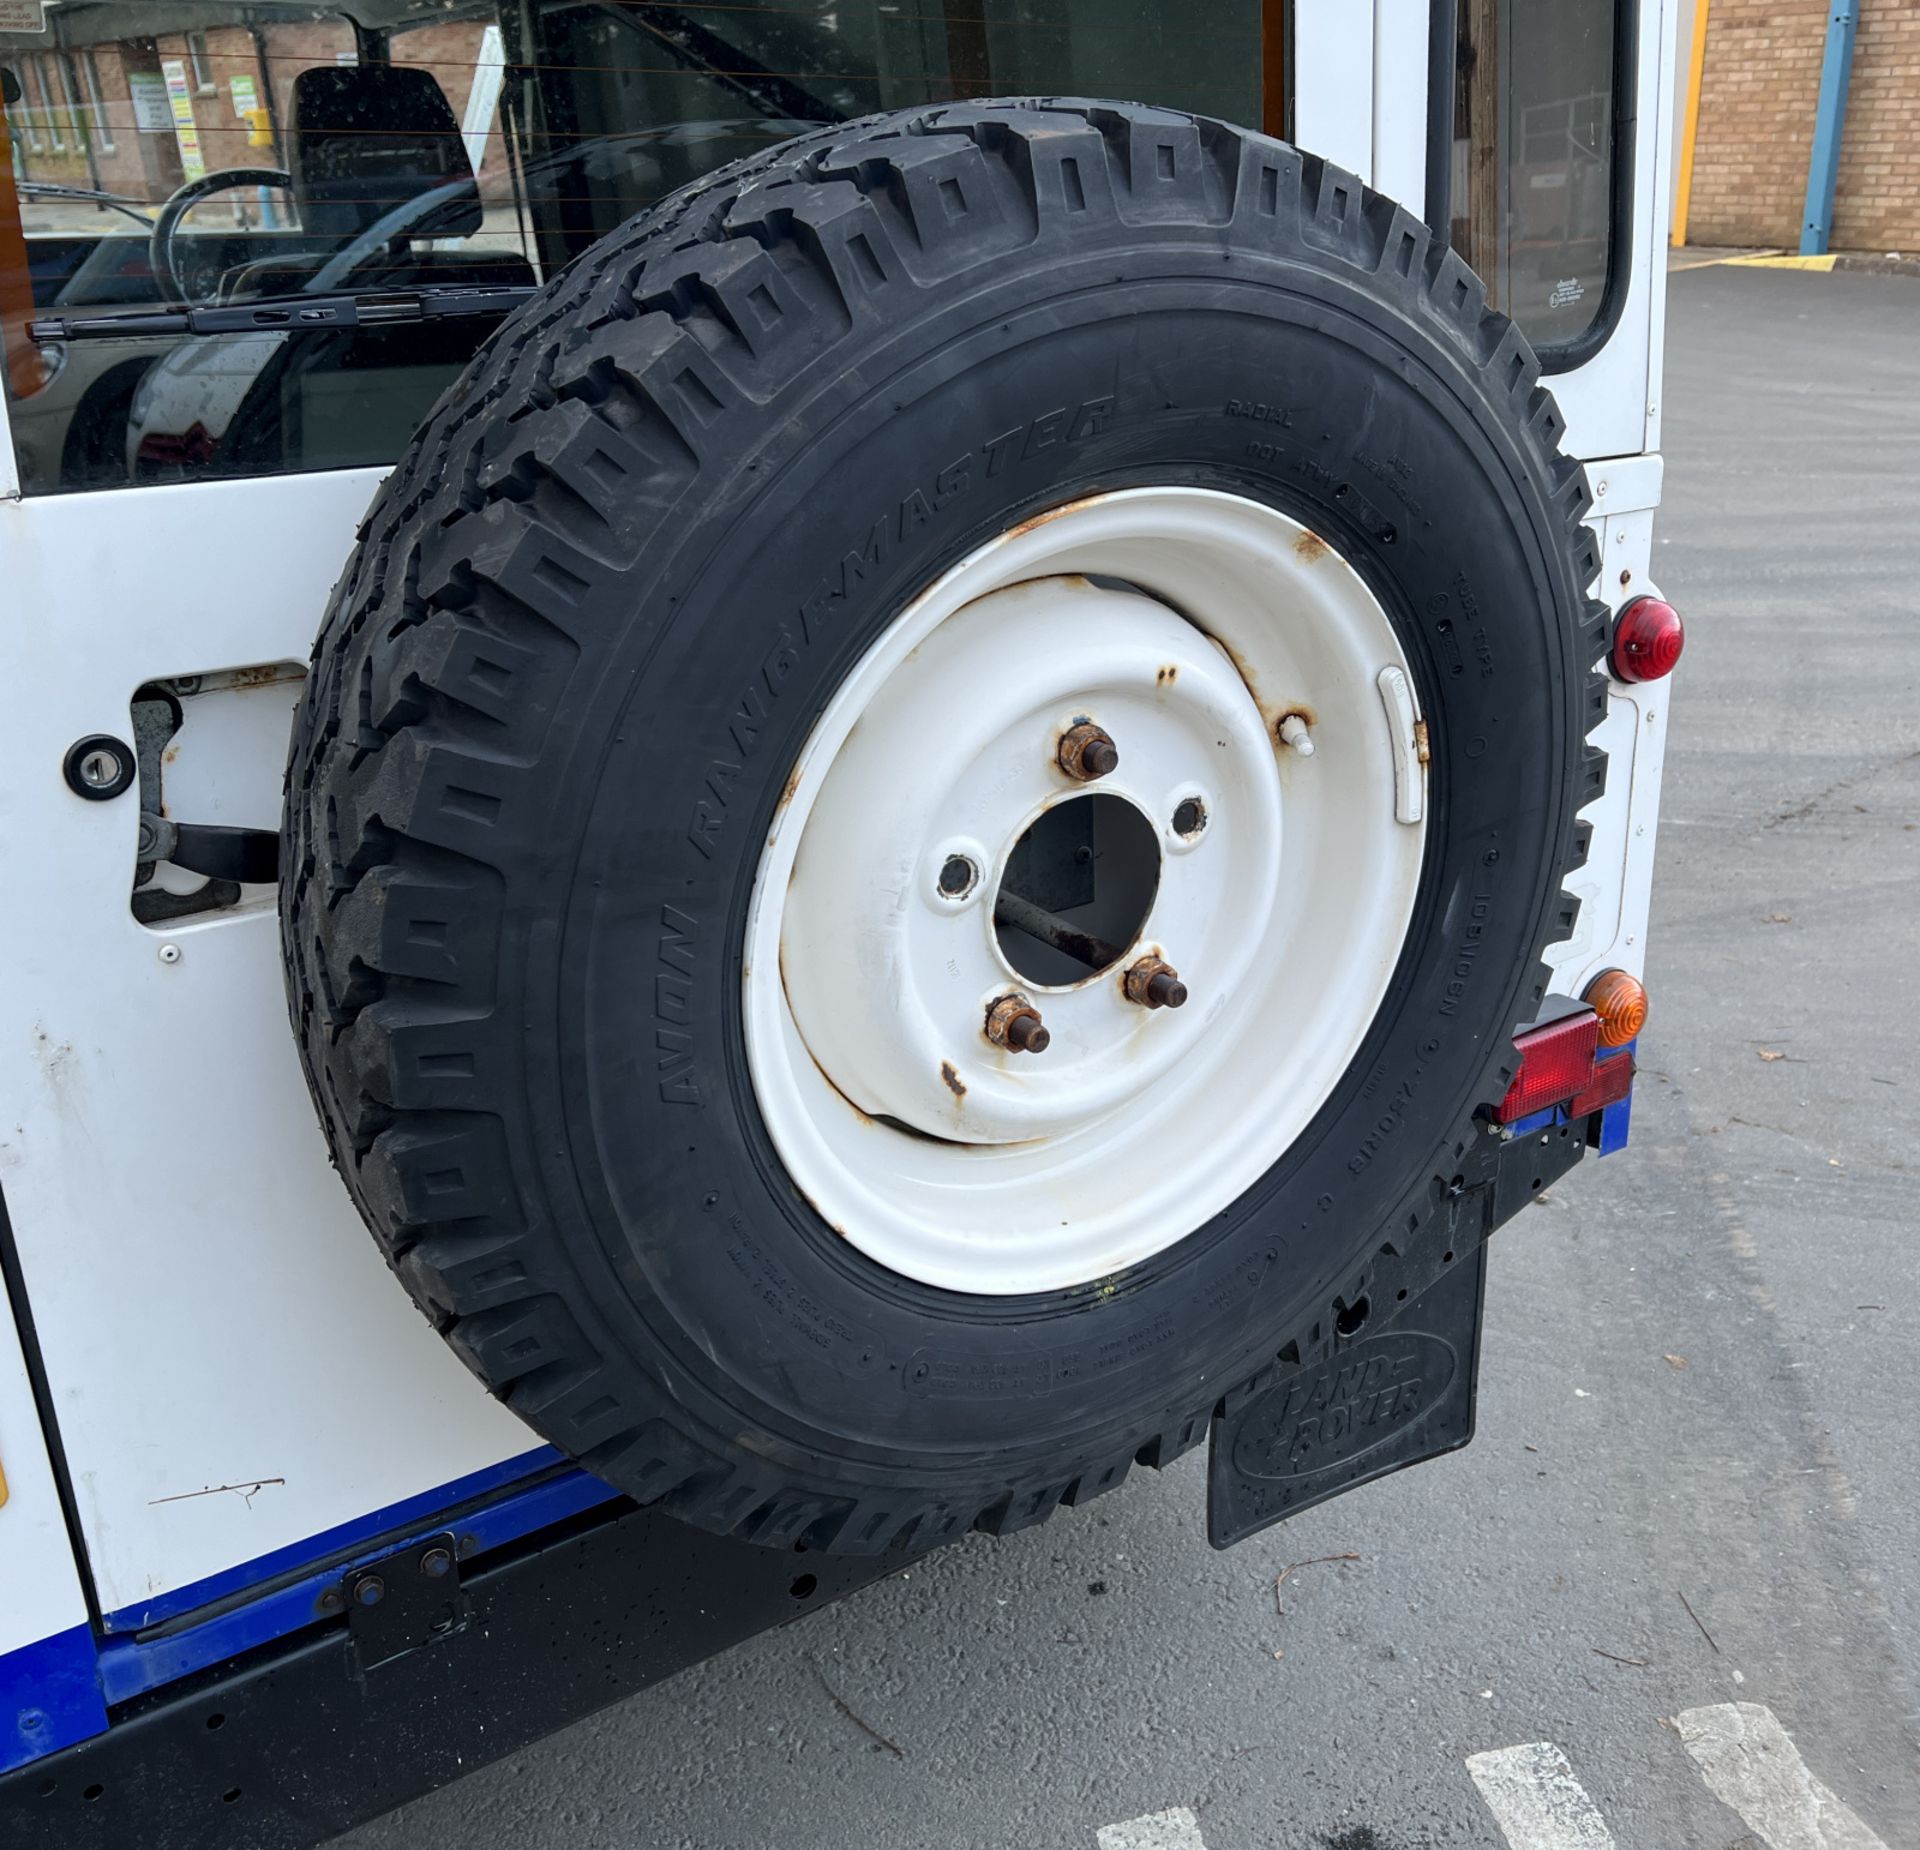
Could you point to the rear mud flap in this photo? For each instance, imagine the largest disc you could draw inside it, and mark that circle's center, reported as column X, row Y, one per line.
column 1395, row 1392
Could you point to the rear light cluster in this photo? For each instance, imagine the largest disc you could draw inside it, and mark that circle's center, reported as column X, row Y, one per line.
column 1568, row 1062
column 1648, row 637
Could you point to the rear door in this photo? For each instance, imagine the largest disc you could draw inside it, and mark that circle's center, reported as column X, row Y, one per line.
column 236, row 1383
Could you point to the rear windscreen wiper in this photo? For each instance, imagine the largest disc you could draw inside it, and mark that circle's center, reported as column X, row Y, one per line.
column 347, row 308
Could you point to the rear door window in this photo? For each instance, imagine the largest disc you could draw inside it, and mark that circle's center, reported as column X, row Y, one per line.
column 304, row 192
column 1536, row 161
column 269, row 159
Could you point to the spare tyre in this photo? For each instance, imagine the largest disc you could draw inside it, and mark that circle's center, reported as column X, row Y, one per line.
column 926, row 811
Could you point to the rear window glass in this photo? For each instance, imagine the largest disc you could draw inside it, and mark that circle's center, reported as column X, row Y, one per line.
column 1533, row 178
column 258, row 164
column 205, row 156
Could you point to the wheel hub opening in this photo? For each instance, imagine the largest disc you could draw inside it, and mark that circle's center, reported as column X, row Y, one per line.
column 1077, row 890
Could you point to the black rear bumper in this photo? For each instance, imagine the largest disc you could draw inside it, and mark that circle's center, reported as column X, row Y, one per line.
column 292, row 1744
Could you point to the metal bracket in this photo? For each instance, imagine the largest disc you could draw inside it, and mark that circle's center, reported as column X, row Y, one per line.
column 216, row 849
column 405, row 1601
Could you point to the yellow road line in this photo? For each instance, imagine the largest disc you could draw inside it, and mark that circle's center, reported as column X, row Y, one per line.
column 1758, row 260
column 1782, row 262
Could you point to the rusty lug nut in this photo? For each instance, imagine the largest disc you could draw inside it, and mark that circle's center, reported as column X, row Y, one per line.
column 1014, row 1023
column 1155, row 985
column 1087, row 752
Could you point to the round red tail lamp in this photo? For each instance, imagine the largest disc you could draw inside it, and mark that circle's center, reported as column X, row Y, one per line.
column 1647, row 640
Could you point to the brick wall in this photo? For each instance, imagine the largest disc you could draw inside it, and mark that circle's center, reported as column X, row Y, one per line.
column 1758, row 90
column 1758, row 94
column 1877, row 204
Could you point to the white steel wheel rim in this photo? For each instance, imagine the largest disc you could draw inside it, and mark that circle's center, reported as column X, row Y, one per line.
column 970, row 1166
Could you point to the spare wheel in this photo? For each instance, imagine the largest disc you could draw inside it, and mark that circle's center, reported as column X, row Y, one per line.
column 928, row 806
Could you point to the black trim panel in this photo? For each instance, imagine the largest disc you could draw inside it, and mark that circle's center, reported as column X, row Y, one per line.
column 1443, row 51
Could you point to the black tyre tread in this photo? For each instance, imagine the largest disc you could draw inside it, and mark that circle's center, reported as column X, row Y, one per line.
column 422, row 716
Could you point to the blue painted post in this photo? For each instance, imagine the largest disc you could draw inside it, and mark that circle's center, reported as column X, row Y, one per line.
column 1829, row 122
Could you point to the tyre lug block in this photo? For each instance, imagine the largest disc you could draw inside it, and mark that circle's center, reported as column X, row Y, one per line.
column 1155, row 984
column 1087, row 751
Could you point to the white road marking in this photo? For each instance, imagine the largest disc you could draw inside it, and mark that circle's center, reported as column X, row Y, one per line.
column 1751, row 1766
column 1177, row 1829
column 1536, row 1800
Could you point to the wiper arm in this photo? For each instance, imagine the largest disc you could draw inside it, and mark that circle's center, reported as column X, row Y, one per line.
column 320, row 312
column 84, row 195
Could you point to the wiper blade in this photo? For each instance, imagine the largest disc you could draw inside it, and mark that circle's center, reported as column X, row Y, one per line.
column 298, row 314
column 54, row 189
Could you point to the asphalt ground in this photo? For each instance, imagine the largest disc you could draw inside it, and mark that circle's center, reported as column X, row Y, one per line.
column 1700, row 1377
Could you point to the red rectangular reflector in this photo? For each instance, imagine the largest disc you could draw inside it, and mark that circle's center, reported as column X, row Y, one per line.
column 1556, row 1063
column 1612, row 1081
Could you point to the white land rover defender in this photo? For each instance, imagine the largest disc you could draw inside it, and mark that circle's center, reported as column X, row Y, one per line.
column 949, row 785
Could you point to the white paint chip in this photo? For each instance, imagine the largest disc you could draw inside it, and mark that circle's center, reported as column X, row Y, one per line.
column 1536, row 1800
column 1752, row 1767
column 1177, row 1829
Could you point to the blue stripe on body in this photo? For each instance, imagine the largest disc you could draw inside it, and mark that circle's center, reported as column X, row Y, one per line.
column 56, row 1691
column 50, row 1697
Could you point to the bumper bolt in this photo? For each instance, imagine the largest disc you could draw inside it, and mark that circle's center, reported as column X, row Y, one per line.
column 1155, row 984
column 1014, row 1023
column 1087, row 751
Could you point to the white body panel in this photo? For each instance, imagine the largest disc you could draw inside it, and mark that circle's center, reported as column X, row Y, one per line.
column 209, row 1309
column 207, row 1303
column 1615, row 888
column 37, row 1568
column 1361, row 94
column 1400, row 34
column 1333, row 83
